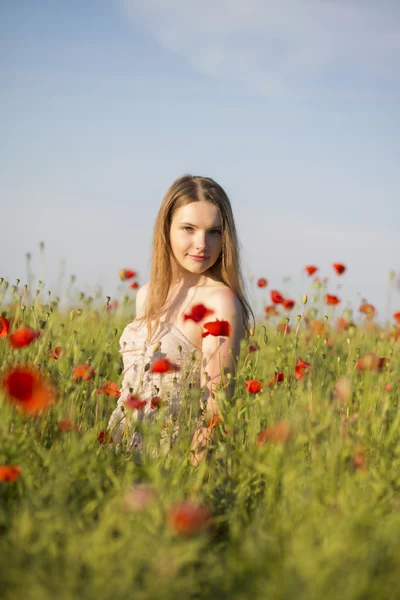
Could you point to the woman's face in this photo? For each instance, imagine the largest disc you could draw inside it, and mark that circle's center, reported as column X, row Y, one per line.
column 196, row 231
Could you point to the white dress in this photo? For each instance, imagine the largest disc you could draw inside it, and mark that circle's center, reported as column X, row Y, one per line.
column 173, row 388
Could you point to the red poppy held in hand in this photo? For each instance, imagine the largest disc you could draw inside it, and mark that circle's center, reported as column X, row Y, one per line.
column 301, row 368
column 253, row 385
column 126, row 274
column 163, row 365
column 331, row 300
column 9, row 472
column 276, row 297
column 22, row 337
column 4, row 327
column 311, row 269
column 217, row 327
column 339, row 268
column 262, row 282
column 28, row 389
column 135, row 403
column 188, row 518
column 84, row 372
column 198, row 313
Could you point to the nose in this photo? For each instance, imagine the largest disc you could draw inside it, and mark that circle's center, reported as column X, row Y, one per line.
column 201, row 241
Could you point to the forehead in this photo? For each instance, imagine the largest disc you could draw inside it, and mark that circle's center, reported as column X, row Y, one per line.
column 202, row 214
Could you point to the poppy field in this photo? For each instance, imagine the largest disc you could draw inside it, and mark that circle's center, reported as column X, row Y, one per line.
column 298, row 497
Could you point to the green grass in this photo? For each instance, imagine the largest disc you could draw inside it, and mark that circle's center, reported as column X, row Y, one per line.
column 295, row 520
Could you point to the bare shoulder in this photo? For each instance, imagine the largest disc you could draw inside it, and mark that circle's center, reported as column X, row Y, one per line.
column 141, row 297
column 225, row 304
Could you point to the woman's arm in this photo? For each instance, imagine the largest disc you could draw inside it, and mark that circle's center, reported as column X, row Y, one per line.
column 218, row 359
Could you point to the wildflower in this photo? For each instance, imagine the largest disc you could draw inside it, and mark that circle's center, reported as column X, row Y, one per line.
column 252, row 348
column 339, row 268
column 156, row 402
column 23, row 337
column 138, row 497
column 276, row 378
column 188, row 518
column 134, row 285
column 371, row 362
column 276, row 297
column 276, row 434
column 396, row 317
column 84, row 372
column 301, row 368
column 135, row 403
column 9, row 472
column 198, row 313
column 368, row 310
column 214, row 421
column 262, row 282
column 104, row 437
column 28, row 389
column 163, row 365
column 360, row 462
column 109, row 388
column 58, row 352
column 4, row 327
column 67, row 425
column 126, row 274
column 253, row 386
column 311, row 269
column 288, row 304
column 331, row 299
column 318, row 326
column 217, row 327
column 271, row 311
column 283, row 328
column 388, row 387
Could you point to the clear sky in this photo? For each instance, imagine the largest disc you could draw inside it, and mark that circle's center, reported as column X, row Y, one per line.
column 293, row 106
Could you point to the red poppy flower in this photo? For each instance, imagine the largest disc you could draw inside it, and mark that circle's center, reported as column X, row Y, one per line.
column 318, row 326
column 214, row 421
column 339, row 268
column 283, row 328
column 156, row 402
column 217, row 327
column 68, row 425
column 262, row 282
column 331, row 300
column 4, row 327
column 272, row 311
column 277, row 434
column 134, row 285
column 57, row 352
column 188, row 518
column 126, row 274
column 109, row 388
column 198, row 313
column 397, row 317
column 28, row 389
column 163, row 365
column 360, row 462
column 23, row 337
column 253, row 385
column 301, row 368
column 252, row 348
column 135, row 403
column 288, row 304
column 311, row 269
column 112, row 306
column 85, row 372
column 104, row 437
column 368, row 310
column 276, row 378
column 371, row 362
column 276, row 297
column 9, row 472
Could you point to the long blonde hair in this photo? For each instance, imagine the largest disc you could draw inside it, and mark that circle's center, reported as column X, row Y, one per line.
column 227, row 268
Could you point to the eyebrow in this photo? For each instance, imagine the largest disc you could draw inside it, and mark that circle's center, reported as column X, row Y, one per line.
column 195, row 226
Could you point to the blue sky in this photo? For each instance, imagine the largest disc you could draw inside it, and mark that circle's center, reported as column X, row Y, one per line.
column 291, row 105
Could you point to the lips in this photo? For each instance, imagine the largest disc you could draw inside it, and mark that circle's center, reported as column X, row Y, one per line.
column 198, row 257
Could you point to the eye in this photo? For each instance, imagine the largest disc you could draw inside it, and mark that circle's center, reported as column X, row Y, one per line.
column 187, row 227
column 216, row 231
